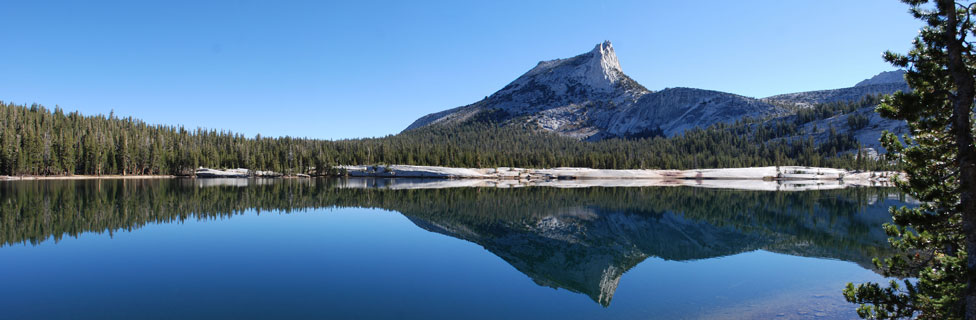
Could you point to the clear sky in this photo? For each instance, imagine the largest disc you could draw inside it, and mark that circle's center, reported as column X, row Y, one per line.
column 345, row 69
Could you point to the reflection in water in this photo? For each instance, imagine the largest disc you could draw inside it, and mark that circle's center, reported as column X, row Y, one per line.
column 582, row 240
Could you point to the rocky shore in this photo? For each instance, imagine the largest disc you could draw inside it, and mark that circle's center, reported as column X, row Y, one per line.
column 784, row 178
column 783, row 173
column 84, row 177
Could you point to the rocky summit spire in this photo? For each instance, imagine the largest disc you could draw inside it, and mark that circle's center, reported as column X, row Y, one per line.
column 591, row 78
column 601, row 69
column 598, row 70
column 608, row 58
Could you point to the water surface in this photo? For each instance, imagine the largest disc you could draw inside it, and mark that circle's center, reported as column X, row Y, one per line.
column 314, row 248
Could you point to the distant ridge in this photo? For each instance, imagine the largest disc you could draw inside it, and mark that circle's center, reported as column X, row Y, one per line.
column 887, row 77
column 887, row 82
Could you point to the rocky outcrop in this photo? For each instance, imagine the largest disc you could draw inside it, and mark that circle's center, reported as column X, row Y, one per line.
column 867, row 134
column 589, row 97
column 801, row 178
column 241, row 173
column 229, row 173
column 887, row 82
column 810, row 98
column 886, row 77
column 673, row 111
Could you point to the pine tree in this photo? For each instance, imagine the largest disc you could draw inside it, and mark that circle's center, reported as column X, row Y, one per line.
column 938, row 238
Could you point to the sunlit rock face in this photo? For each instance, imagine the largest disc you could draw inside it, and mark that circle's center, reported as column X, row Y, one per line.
column 869, row 135
column 887, row 82
column 589, row 97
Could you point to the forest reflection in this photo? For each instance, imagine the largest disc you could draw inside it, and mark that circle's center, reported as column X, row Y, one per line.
column 580, row 239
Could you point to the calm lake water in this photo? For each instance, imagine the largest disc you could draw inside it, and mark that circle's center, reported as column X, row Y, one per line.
column 317, row 249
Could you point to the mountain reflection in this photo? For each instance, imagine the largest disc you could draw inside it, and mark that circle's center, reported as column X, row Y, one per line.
column 582, row 240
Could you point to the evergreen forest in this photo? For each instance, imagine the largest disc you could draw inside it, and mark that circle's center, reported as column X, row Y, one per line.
column 36, row 140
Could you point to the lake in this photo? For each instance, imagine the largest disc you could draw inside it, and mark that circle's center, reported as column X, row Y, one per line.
column 365, row 249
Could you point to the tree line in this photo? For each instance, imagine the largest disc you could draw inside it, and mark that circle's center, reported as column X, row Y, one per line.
column 40, row 141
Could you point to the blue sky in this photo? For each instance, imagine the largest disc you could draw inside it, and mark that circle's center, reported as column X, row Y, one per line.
column 330, row 69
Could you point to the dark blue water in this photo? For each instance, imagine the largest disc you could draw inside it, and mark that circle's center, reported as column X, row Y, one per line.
column 289, row 249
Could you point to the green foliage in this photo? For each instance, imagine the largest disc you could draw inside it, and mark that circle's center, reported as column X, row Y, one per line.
column 857, row 121
column 931, row 238
column 36, row 211
column 37, row 141
column 831, row 109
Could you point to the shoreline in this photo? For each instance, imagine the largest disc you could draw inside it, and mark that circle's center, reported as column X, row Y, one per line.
column 773, row 173
column 733, row 184
column 89, row 177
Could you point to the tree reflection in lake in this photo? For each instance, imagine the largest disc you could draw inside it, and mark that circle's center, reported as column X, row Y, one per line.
column 581, row 239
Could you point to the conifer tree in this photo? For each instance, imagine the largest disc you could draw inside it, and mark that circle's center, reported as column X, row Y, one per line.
column 937, row 240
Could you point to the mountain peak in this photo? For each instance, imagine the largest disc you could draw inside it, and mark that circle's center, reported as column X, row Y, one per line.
column 608, row 58
column 588, row 96
column 598, row 68
column 886, row 77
